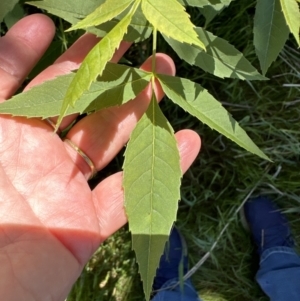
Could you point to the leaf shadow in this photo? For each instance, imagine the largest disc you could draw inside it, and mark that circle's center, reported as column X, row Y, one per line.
column 220, row 58
column 157, row 117
column 120, row 83
column 212, row 48
column 133, row 35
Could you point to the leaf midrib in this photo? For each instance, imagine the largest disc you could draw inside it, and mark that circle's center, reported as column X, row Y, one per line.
column 152, row 173
column 270, row 30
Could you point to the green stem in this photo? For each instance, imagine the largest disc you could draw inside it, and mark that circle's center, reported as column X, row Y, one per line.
column 154, row 53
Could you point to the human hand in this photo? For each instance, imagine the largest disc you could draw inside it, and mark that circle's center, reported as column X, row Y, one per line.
column 50, row 220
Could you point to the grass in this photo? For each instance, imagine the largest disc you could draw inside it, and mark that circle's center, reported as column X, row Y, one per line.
column 221, row 177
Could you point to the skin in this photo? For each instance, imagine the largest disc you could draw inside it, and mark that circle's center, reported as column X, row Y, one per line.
column 50, row 220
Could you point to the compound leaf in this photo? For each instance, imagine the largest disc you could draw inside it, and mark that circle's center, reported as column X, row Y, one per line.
column 117, row 85
column 220, row 58
column 105, row 12
column 198, row 102
column 95, row 62
column 151, row 187
column 170, row 18
column 291, row 13
column 270, row 32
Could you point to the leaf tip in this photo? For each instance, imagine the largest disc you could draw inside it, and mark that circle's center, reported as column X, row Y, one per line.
column 70, row 29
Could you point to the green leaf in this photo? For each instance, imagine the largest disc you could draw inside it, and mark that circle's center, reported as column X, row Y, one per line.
column 151, row 188
column 198, row 102
column 291, row 13
column 105, row 12
column 220, row 58
column 117, row 85
column 6, row 6
column 170, row 18
column 270, row 32
column 14, row 15
column 73, row 11
column 69, row 10
column 212, row 10
column 95, row 62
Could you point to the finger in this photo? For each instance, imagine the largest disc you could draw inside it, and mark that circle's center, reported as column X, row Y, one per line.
column 101, row 135
column 20, row 50
column 68, row 61
column 109, row 197
column 71, row 60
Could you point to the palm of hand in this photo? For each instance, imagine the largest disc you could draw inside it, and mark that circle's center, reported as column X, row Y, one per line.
column 47, row 214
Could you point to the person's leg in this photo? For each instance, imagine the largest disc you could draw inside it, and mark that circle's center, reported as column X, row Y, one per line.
column 174, row 262
column 279, row 272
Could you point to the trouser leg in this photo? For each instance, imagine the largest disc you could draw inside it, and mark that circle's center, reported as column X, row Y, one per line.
column 279, row 274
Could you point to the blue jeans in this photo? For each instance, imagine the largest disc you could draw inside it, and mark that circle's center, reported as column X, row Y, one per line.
column 278, row 276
